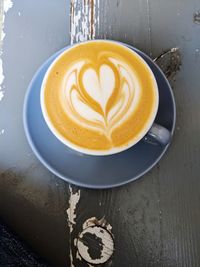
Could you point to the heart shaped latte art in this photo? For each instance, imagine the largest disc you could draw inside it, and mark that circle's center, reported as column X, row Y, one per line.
column 100, row 97
column 99, row 86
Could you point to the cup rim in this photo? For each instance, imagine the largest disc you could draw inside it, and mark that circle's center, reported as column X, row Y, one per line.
column 92, row 152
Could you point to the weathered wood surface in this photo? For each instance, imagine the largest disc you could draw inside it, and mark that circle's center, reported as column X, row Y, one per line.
column 33, row 202
column 155, row 220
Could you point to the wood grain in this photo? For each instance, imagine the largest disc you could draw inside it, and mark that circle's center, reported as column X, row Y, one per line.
column 133, row 210
column 32, row 200
column 179, row 171
column 155, row 219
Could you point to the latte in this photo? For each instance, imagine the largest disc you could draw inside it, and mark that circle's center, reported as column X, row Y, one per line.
column 99, row 97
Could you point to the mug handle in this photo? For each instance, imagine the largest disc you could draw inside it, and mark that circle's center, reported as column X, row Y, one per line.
column 158, row 135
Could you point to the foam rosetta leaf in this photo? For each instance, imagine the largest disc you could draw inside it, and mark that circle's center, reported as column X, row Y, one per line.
column 99, row 86
column 100, row 97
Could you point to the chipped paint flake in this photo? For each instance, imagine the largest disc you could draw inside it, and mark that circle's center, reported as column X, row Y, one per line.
column 2, row 131
column 100, row 230
column 7, row 4
column 84, row 20
column 96, row 239
column 93, row 221
column 71, row 212
column 1, row 95
column 1, row 77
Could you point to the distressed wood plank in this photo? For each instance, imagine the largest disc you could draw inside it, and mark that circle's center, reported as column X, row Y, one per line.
column 32, row 200
column 156, row 218
column 133, row 210
column 180, row 169
column 126, row 21
column 84, row 19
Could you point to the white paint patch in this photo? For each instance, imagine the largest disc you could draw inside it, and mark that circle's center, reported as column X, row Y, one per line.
column 71, row 212
column 84, row 20
column 106, row 241
column 94, row 221
column 1, row 94
column 89, row 222
column 7, row 4
column 109, row 227
column 2, row 131
column 1, row 77
column 19, row 14
column 101, row 229
column 78, row 257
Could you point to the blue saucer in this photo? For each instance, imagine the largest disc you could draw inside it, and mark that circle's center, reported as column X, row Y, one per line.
column 94, row 171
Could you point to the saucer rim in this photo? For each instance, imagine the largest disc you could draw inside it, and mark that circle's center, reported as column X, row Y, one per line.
column 67, row 178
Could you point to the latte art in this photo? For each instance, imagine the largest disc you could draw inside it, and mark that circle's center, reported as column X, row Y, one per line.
column 99, row 97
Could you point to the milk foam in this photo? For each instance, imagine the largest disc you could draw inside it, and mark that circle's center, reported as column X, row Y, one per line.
column 87, row 90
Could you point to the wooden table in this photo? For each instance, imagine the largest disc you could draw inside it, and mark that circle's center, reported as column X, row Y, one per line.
column 155, row 220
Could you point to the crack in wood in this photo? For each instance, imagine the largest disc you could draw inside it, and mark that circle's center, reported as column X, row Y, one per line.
column 170, row 62
column 91, row 3
column 71, row 14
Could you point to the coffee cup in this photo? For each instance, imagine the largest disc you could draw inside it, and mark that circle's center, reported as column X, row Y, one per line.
column 100, row 98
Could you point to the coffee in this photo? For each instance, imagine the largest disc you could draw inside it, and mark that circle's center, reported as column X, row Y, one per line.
column 99, row 96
